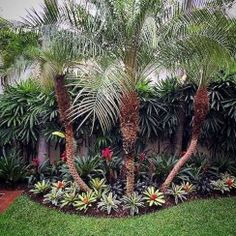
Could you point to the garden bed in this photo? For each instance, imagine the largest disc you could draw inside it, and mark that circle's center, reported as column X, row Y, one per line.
column 94, row 212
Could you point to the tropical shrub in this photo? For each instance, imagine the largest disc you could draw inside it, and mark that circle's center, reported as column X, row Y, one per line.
column 163, row 165
column 204, row 186
column 225, row 183
column 188, row 187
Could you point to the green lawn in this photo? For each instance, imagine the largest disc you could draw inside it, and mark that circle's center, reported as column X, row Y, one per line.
column 203, row 217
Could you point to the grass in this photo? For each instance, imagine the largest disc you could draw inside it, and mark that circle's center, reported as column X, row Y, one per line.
column 203, row 217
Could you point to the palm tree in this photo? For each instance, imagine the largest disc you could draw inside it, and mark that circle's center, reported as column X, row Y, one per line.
column 122, row 31
column 202, row 52
column 60, row 53
column 133, row 33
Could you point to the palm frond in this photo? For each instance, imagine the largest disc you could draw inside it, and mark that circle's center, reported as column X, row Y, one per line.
column 100, row 95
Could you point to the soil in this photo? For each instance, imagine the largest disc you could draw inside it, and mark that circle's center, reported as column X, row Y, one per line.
column 94, row 212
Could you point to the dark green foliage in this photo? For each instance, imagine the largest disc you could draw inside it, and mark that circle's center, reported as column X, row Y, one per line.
column 163, row 164
column 24, row 110
column 87, row 167
column 15, row 44
column 45, row 171
column 12, row 168
column 204, row 186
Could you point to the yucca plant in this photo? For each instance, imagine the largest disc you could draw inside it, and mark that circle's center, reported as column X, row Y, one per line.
column 154, row 197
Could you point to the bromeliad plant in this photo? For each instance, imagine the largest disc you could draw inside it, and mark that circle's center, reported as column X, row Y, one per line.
column 69, row 199
column 85, row 201
column 41, row 187
column 178, row 192
column 99, row 186
column 133, row 203
column 54, row 197
column 188, row 187
column 225, row 183
column 154, row 197
column 108, row 203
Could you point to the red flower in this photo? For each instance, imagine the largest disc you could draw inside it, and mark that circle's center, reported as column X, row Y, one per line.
column 229, row 182
column 60, row 185
column 63, row 156
column 153, row 197
column 142, row 156
column 35, row 162
column 107, row 153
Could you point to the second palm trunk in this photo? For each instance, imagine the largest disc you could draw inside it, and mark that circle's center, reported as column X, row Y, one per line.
column 129, row 122
column 201, row 108
column 63, row 101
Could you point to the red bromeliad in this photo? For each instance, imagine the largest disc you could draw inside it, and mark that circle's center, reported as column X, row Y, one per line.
column 60, row 185
column 107, row 153
column 153, row 197
column 229, row 182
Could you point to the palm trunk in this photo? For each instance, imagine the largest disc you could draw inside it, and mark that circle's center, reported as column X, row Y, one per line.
column 129, row 122
column 63, row 101
column 180, row 132
column 201, row 108
column 129, row 117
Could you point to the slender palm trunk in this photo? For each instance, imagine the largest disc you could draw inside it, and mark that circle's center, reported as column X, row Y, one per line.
column 129, row 122
column 63, row 101
column 129, row 118
column 201, row 108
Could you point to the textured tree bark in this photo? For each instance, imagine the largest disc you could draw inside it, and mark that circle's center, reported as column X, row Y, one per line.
column 201, row 108
column 63, row 101
column 129, row 123
column 129, row 117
